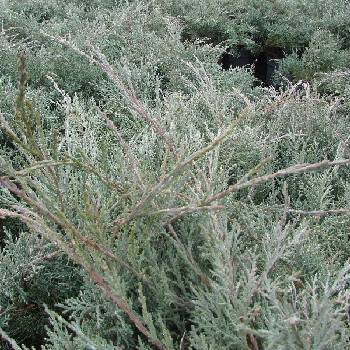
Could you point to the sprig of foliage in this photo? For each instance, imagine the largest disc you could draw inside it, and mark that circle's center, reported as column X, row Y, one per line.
column 178, row 205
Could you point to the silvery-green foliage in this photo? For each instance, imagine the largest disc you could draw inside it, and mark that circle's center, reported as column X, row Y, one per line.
column 32, row 274
column 65, row 335
column 117, row 157
column 96, row 316
column 324, row 54
column 304, row 323
column 252, row 23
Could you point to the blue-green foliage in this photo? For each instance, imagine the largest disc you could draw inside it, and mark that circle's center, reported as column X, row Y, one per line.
column 106, row 176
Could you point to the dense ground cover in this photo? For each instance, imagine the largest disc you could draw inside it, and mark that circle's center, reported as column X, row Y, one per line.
column 150, row 199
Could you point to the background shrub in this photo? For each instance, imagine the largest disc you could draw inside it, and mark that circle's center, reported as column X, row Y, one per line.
column 150, row 199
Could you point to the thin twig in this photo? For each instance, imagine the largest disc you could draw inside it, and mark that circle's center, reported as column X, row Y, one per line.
column 295, row 169
column 250, row 173
column 131, row 160
column 192, row 263
column 138, row 209
column 117, row 300
column 130, row 96
column 318, row 213
column 134, row 101
column 46, row 257
column 34, row 224
column 40, row 165
column 186, row 210
column 68, row 227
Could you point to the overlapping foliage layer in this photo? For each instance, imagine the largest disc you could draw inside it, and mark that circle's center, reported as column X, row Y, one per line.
column 150, row 199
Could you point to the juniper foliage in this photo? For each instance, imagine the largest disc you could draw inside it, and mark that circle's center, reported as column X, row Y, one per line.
column 152, row 200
